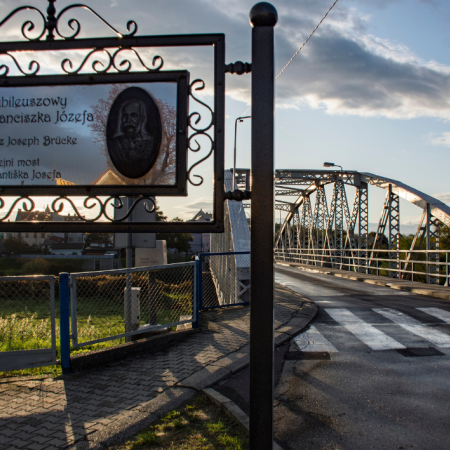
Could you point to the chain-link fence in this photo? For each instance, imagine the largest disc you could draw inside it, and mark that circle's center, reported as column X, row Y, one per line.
column 224, row 279
column 27, row 322
column 112, row 304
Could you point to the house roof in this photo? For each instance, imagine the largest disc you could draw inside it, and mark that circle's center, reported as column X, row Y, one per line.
column 44, row 216
column 61, row 182
column 28, row 216
column 202, row 215
column 108, row 177
column 55, row 239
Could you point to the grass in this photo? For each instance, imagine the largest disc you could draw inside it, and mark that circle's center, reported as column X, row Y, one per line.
column 25, row 323
column 199, row 426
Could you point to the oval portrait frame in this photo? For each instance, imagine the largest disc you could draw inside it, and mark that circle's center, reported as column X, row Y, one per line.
column 133, row 152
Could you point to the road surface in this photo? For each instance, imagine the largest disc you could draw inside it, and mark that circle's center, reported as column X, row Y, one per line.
column 372, row 371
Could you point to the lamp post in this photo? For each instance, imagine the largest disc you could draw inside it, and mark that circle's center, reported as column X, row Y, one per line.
column 239, row 119
column 329, row 164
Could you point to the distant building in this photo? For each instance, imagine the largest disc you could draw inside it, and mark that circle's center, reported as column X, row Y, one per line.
column 99, row 247
column 108, row 177
column 66, row 248
column 37, row 239
column 202, row 241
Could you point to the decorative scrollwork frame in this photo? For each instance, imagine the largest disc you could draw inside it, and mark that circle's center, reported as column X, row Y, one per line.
column 188, row 129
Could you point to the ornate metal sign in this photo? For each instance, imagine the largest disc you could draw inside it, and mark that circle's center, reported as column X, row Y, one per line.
column 92, row 137
column 100, row 131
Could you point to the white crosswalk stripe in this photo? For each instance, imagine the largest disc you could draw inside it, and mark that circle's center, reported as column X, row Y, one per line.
column 371, row 336
column 436, row 337
column 312, row 341
column 437, row 312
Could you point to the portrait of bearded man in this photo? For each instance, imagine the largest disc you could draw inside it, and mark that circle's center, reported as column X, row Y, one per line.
column 131, row 149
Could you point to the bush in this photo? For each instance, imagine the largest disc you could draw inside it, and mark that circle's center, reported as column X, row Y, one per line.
column 37, row 266
column 58, row 266
column 9, row 264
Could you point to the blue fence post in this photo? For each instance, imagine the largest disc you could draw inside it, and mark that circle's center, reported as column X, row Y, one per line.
column 200, row 283
column 64, row 321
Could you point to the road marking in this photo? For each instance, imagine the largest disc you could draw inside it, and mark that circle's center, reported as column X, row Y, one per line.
column 436, row 312
column 313, row 341
column 432, row 335
column 371, row 336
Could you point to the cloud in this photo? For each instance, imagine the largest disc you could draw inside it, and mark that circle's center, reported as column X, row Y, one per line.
column 188, row 211
column 343, row 69
column 444, row 197
column 443, row 139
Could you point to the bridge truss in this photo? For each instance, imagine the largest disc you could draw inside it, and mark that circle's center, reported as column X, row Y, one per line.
column 330, row 233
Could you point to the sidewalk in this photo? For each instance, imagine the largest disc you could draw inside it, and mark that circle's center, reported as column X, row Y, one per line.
column 103, row 406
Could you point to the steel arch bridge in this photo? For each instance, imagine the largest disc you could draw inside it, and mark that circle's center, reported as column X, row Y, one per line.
column 331, row 233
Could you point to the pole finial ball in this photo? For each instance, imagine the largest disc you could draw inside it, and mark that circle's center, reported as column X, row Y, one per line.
column 263, row 14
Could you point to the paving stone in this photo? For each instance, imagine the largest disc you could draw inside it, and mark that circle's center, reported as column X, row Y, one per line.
column 44, row 432
column 40, row 439
column 5, row 439
column 36, row 446
column 19, row 443
column 5, row 431
column 56, row 442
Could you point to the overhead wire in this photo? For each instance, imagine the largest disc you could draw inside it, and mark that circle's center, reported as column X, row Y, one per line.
column 299, row 49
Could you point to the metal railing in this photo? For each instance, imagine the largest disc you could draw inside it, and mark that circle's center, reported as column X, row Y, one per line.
column 112, row 304
column 27, row 322
column 224, row 279
column 430, row 266
column 40, row 255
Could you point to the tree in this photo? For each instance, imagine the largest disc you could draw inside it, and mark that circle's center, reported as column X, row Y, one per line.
column 444, row 237
column 164, row 169
column 97, row 237
column 15, row 245
column 181, row 242
column 160, row 217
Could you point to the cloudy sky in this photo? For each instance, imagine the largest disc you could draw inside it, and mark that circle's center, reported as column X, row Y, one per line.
column 370, row 91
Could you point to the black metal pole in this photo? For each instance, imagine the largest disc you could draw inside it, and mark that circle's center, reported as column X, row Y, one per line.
column 263, row 17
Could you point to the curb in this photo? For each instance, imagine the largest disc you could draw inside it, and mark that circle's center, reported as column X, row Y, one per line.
column 232, row 410
column 414, row 287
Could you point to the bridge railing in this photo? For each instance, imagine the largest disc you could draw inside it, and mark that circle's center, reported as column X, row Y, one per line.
column 429, row 266
column 224, row 279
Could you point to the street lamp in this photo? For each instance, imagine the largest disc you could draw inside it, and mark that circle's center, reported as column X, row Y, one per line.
column 239, row 119
column 329, row 164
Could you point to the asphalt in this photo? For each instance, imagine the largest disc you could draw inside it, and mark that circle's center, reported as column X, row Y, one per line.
column 356, row 397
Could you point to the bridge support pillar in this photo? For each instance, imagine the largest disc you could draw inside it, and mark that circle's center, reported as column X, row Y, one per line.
column 394, row 233
column 432, row 233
